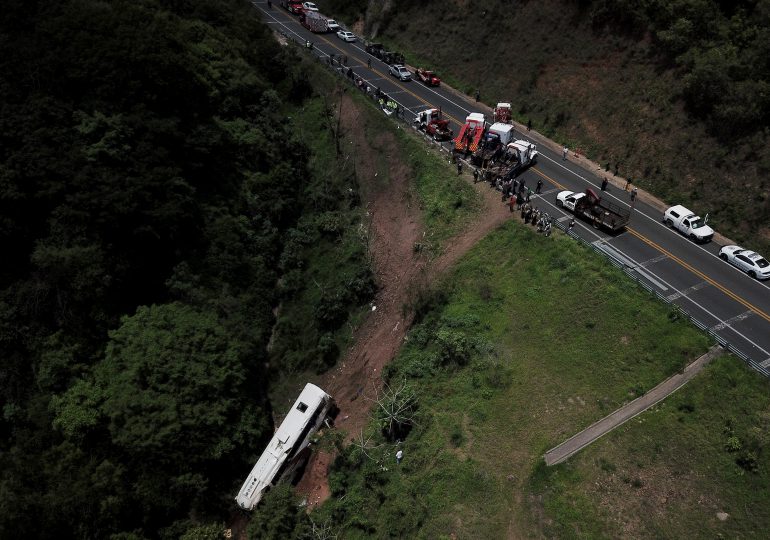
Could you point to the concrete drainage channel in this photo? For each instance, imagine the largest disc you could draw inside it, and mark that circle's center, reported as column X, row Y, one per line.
column 577, row 442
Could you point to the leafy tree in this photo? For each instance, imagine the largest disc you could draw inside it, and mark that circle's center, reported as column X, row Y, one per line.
column 279, row 517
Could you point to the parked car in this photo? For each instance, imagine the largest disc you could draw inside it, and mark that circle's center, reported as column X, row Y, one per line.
column 309, row 6
column 750, row 262
column 332, row 25
column 400, row 72
column 687, row 223
column 344, row 35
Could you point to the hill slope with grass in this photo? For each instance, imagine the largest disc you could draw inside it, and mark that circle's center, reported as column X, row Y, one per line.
column 676, row 94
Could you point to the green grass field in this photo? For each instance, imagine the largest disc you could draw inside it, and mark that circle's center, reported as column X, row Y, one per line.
column 533, row 340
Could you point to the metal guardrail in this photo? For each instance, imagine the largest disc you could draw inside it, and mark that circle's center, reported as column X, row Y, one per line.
column 338, row 64
column 721, row 340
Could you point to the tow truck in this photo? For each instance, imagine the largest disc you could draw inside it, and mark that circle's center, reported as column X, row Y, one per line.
column 433, row 124
column 467, row 141
column 428, row 77
column 598, row 212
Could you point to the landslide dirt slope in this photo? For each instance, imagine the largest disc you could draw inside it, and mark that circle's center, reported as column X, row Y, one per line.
column 609, row 94
column 395, row 227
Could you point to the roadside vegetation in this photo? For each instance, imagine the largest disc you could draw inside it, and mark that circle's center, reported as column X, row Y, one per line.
column 160, row 198
column 673, row 94
column 528, row 341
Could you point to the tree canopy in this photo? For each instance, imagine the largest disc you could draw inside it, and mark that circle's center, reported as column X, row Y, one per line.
column 148, row 179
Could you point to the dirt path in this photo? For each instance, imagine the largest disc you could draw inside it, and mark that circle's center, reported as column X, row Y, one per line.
column 580, row 440
column 395, row 227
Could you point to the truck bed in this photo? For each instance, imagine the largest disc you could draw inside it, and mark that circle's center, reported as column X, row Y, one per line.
column 612, row 217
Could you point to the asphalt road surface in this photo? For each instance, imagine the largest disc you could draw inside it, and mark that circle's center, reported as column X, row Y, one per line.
column 722, row 298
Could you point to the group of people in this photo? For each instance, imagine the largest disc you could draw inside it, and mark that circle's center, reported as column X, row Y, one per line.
column 519, row 196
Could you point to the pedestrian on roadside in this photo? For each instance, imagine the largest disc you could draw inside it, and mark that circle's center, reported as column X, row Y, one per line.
column 475, row 175
column 564, row 152
column 515, row 185
column 511, row 203
column 478, row 96
column 369, row 63
column 628, row 183
column 529, row 124
column 399, row 456
column 604, row 185
column 633, row 194
column 459, row 167
column 529, row 194
column 539, row 186
column 571, row 224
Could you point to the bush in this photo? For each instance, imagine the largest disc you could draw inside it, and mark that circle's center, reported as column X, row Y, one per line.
column 453, row 347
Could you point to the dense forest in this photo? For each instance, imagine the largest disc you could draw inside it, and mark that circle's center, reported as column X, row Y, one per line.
column 673, row 93
column 154, row 198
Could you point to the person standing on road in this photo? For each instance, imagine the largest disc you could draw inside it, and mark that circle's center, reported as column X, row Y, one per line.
column 633, row 195
column 564, row 152
column 539, row 186
column 604, row 185
column 571, row 224
column 369, row 63
column 529, row 194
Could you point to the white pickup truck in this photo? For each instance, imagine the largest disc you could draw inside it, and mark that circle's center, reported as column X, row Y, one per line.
column 687, row 223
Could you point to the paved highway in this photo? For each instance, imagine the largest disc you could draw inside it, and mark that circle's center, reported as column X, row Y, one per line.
column 718, row 295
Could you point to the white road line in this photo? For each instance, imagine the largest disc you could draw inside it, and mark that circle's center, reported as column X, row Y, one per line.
column 620, row 256
column 729, row 322
column 702, row 308
column 685, row 292
column 654, row 260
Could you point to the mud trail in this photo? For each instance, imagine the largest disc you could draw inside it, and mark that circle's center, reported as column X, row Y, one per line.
column 395, row 226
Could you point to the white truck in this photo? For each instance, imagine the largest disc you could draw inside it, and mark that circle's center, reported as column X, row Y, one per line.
column 687, row 223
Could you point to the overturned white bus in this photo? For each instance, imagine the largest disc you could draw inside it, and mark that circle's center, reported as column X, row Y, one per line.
column 285, row 453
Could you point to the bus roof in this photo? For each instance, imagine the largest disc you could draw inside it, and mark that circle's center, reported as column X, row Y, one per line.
column 271, row 460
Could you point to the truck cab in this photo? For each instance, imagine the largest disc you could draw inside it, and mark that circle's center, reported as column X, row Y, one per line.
column 687, row 223
column 434, row 125
column 568, row 199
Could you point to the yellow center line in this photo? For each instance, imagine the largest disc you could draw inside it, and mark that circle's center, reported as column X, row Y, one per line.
column 676, row 259
column 700, row 274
